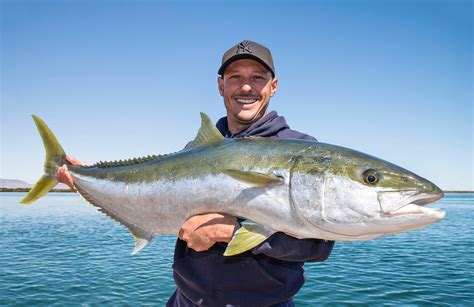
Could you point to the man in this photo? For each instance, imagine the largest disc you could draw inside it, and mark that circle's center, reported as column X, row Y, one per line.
column 271, row 273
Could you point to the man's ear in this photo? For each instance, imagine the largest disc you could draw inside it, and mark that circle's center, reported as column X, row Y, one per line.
column 274, row 86
column 220, row 84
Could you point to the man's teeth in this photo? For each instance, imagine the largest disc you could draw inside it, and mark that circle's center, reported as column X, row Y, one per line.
column 246, row 101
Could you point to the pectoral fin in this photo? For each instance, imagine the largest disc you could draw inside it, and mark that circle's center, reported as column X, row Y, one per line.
column 247, row 237
column 253, row 178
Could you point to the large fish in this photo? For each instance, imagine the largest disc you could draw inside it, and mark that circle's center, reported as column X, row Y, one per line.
column 303, row 188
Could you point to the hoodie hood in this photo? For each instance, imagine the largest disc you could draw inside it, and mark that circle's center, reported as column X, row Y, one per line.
column 269, row 125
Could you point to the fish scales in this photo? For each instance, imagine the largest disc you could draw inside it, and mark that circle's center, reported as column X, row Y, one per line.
column 161, row 194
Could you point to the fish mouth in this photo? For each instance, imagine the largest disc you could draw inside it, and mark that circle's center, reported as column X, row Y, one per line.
column 428, row 199
column 414, row 206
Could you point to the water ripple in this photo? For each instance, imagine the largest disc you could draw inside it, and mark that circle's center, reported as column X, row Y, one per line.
column 61, row 251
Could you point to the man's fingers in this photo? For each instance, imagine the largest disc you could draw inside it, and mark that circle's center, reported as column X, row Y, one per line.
column 199, row 247
column 61, row 172
column 182, row 235
column 195, row 239
column 75, row 162
column 70, row 182
column 202, row 231
column 63, row 176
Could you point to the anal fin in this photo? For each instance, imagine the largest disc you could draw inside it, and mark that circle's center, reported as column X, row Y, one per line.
column 139, row 233
column 139, row 245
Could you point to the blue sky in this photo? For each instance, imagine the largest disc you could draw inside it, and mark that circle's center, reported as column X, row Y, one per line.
column 118, row 79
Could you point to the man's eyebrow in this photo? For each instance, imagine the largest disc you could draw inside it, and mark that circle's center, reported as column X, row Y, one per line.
column 231, row 72
column 258, row 71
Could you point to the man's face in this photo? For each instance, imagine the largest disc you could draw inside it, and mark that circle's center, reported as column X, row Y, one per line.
column 246, row 87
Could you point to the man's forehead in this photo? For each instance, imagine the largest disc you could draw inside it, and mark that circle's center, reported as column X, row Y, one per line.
column 246, row 64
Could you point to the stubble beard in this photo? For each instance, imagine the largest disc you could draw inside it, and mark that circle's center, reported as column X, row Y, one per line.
column 243, row 123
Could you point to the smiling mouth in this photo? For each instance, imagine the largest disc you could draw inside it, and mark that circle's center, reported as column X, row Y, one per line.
column 248, row 100
column 415, row 206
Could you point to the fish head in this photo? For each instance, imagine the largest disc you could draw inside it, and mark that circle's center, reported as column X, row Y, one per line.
column 354, row 196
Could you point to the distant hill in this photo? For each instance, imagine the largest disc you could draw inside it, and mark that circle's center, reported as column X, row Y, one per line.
column 15, row 184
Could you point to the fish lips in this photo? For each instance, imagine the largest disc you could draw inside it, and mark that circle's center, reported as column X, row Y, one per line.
column 414, row 206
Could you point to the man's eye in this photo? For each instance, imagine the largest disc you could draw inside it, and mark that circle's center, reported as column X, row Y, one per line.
column 258, row 77
column 234, row 77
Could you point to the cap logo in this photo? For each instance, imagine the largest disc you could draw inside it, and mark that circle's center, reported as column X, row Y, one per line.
column 244, row 47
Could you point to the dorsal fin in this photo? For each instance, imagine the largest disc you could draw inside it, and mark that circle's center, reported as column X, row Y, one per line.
column 105, row 164
column 207, row 134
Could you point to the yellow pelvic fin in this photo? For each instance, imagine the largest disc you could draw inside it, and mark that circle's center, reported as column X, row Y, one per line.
column 247, row 237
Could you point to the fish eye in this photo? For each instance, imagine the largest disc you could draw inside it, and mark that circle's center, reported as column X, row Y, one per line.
column 371, row 177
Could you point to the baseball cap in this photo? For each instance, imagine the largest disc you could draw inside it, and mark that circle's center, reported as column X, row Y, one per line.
column 248, row 50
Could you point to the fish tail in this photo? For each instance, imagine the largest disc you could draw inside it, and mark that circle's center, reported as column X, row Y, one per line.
column 55, row 157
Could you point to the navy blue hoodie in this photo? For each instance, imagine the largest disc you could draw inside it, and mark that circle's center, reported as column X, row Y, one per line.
column 268, row 275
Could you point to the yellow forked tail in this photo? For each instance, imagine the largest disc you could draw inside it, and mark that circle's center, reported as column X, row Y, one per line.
column 55, row 157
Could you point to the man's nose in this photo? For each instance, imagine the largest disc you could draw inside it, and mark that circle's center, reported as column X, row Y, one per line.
column 246, row 88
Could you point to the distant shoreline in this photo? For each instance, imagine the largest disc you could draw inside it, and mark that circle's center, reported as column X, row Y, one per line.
column 70, row 191
column 459, row 192
column 28, row 189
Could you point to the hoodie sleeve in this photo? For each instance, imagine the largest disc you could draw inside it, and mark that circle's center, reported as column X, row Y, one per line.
column 287, row 248
column 288, row 133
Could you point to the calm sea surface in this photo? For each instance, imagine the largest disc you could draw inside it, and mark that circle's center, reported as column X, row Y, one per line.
column 61, row 251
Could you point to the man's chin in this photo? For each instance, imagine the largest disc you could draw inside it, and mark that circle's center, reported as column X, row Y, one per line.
column 244, row 117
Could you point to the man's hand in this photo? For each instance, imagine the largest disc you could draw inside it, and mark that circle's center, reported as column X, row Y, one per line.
column 63, row 175
column 202, row 231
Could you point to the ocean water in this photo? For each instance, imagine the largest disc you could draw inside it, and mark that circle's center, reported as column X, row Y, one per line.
column 61, row 251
